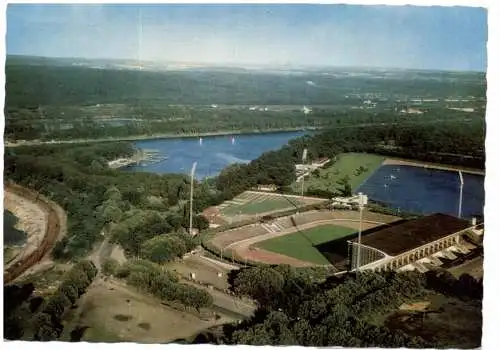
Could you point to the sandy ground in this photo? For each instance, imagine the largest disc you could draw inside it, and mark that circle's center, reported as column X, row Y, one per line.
column 32, row 220
column 205, row 271
column 147, row 319
column 118, row 254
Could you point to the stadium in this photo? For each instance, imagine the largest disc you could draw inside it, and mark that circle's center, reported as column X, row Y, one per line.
column 329, row 237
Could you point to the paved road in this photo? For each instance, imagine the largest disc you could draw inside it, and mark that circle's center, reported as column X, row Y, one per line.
column 227, row 302
column 219, row 263
column 101, row 253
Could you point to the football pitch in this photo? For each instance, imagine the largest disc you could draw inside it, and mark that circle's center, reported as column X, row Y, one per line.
column 300, row 245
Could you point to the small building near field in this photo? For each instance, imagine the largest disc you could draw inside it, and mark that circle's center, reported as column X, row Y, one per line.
column 267, row 188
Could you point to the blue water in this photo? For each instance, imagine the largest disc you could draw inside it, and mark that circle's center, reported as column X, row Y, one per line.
column 412, row 189
column 425, row 191
column 213, row 154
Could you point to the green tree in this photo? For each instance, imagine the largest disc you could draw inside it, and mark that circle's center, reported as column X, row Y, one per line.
column 44, row 329
column 110, row 267
column 260, row 283
column 70, row 292
column 163, row 248
column 56, row 305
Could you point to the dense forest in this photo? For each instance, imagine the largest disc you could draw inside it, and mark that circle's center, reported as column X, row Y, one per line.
column 46, row 102
column 294, row 310
column 37, row 318
column 73, row 85
column 136, row 207
column 129, row 207
column 450, row 143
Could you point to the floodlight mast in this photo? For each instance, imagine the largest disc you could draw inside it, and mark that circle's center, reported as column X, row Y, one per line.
column 363, row 199
column 461, row 194
column 304, row 159
column 193, row 169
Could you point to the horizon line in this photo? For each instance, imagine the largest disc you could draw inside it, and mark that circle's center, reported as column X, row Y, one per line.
column 243, row 65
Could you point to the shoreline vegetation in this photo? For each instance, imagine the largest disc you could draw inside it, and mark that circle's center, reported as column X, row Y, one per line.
column 149, row 155
column 435, row 166
column 161, row 136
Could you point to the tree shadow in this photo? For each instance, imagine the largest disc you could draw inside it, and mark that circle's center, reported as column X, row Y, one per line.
column 336, row 251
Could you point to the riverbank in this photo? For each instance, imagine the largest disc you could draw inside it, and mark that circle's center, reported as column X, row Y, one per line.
column 161, row 136
column 421, row 164
column 149, row 156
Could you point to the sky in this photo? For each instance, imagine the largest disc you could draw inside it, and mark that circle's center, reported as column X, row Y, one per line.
column 445, row 38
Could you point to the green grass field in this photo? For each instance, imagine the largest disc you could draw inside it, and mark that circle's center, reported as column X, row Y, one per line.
column 262, row 206
column 300, row 245
column 346, row 164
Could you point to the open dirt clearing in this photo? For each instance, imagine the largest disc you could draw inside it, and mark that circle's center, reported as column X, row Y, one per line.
column 32, row 220
column 115, row 312
column 204, row 271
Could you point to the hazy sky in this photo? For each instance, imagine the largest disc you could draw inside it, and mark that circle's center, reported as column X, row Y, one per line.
column 451, row 38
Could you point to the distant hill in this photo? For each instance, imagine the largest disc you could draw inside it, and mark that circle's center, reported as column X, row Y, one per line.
column 33, row 81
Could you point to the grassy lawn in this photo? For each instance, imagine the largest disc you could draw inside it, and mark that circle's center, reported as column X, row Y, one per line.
column 114, row 312
column 346, row 165
column 267, row 205
column 300, row 245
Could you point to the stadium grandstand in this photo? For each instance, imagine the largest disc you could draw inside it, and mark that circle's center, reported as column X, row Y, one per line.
column 415, row 244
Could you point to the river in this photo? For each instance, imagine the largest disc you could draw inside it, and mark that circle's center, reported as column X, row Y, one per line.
column 212, row 153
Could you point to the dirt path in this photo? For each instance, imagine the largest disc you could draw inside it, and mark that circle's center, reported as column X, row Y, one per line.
column 146, row 319
column 218, row 263
column 227, row 302
column 100, row 253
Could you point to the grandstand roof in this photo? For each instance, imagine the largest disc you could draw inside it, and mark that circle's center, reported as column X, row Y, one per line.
column 412, row 234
